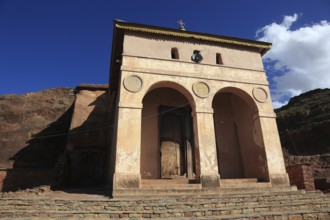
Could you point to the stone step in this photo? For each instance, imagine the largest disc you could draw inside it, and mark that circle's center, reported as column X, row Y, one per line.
column 294, row 204
column 265, row 198
column 171, row 186
column 163, row 205
column 184, row 183
column 170, row 193
column 180, row 183
column 173, row 180
column 243, row 180
column 227, row 200
column 292, row 195
column 237, row 184
column 281, row 210
column 296, row 214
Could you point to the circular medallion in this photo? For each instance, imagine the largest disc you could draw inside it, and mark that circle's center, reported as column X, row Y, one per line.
column 201, row 89
column 260, row 94
column 133, row 83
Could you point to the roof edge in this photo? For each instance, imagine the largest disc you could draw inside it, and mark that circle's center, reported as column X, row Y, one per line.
column 262, row 46
column 103, row 87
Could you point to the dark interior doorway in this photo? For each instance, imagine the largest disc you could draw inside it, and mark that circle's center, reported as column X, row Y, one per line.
column 176, row 142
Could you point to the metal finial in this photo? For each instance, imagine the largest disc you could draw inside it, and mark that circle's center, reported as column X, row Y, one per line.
column 181, row 23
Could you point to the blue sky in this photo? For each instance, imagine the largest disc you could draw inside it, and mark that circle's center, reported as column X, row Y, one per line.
column 48, row 43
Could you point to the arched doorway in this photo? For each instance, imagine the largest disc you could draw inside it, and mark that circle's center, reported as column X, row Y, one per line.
column 240, row 147
column 167, row 143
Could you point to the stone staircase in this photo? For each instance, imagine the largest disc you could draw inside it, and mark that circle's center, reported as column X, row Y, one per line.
column 171, row 188
column 262, row 205
column 179, row 183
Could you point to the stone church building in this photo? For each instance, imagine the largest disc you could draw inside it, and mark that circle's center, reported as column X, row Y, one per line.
column 181, row 108
column 183, row 111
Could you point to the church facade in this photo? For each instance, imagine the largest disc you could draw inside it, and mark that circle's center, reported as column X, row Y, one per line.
column 183, row 106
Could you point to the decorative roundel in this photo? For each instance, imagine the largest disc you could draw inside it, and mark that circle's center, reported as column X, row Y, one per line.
column 133, row 83
column 201, row 89
column 260, row 94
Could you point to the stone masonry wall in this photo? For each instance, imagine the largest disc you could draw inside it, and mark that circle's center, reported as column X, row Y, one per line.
column 301, row 176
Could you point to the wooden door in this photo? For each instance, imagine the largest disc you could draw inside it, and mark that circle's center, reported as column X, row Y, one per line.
column 172, row 149
column 170, row 165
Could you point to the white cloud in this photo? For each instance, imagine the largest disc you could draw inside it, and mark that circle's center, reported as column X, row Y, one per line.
column 277, row 104
column 302, row 56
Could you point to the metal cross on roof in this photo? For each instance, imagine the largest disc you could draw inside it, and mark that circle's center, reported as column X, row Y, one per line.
column 181, row 23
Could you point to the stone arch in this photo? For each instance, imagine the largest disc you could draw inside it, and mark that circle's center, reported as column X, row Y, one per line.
column 167, row 104
column 173, row 85
column 243, row 95
column 239, row 140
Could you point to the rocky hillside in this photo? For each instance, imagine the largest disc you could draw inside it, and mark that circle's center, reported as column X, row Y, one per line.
column 33, row 128
column 304, row 127
column 304, row 123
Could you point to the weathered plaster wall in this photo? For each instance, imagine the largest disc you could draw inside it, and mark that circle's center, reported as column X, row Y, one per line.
column 229, row 155
column 148, row 45
column 89, row 119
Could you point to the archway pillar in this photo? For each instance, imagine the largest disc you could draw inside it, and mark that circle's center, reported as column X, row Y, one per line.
column 127, row 168
column 205, row 146
column 275, row 161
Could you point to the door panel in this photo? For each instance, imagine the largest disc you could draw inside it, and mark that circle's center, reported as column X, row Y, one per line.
column 170, row 159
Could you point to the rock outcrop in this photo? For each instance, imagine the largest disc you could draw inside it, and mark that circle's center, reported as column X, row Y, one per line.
column 304, row 123
column 33, row 128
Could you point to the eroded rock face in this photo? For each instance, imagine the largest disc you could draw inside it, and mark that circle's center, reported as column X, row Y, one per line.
column 304, row 123
column 33, row 128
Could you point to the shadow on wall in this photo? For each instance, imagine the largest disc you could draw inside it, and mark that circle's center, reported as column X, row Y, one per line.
column 66, row 158
column 36, row 163
column 87, row 150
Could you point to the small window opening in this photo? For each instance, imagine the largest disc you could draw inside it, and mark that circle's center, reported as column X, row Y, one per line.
column 174, row 53
column 219, row 59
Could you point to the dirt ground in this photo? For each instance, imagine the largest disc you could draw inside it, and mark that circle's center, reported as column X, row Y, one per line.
column 72, row 194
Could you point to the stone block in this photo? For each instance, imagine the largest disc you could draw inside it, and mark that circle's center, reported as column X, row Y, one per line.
column 310, row 216
column 280, row 217
column 188, row 214
column 323, row 215
column 301, row 176
column 147, row 215
column 295, row 217
column 135, row 215
column 279, row 179
column 210, row 181
column 198, row 214
column 127, row 181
